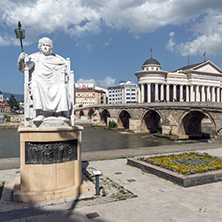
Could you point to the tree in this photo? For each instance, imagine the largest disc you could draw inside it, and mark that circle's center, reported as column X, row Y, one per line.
column 13, row 103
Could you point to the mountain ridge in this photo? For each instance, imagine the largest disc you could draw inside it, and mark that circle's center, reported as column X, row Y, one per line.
column 18, row 97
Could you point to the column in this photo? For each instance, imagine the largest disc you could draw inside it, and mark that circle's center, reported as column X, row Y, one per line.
column 156, row 91
column 139, row 93
column 197, row 93
column 208, row 94
column 191, row 94
column 167, row 92
column 148, row 93
column 218, row 94
column 203, row 95
column 142, row 93
column 181, row 92
column 162, row 92
column 174, row 92
column 187, row 94
column 213, row 93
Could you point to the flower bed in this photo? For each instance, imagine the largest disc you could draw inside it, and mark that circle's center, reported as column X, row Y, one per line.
column 187, row 169
column 186, row 163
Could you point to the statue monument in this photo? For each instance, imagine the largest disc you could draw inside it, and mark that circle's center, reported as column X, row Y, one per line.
column 49, row 83
column 50, row 143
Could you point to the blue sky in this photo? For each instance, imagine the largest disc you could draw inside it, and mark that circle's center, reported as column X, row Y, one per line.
column 108, row 41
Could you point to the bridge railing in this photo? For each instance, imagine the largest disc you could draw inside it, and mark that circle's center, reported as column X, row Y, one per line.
column 213, row 105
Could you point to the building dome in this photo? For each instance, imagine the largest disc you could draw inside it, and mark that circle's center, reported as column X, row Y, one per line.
column 151, row 61
column 151, row 64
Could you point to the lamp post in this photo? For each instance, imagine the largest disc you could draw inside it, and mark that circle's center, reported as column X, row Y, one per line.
column 20, row 33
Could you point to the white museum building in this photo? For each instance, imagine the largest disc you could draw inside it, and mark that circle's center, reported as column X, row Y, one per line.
column 200, row 82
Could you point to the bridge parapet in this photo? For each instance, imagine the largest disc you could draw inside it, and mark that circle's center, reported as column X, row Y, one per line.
column 213, row 105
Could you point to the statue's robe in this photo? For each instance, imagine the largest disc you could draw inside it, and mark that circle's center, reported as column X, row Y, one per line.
column 48, row 83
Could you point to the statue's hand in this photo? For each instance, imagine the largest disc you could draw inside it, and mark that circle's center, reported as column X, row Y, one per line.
column 22, row 56
column 21, row 61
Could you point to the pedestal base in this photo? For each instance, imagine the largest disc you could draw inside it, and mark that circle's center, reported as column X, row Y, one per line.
column 19, row 196
column 50, row 163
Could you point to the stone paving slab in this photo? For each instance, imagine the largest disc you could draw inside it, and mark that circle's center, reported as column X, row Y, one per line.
column 158, row 199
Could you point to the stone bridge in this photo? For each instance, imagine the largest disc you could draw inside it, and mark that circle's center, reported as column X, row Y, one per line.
column 170, row 118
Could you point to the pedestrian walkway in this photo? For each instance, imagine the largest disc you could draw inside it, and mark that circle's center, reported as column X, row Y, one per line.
column 157, row 199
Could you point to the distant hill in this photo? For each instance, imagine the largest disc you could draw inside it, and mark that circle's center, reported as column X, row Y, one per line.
column 18, row 97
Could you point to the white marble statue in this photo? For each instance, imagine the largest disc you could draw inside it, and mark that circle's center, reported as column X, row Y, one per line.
column 47, row 83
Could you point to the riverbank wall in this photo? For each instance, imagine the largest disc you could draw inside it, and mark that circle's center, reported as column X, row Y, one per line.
column 9, row 125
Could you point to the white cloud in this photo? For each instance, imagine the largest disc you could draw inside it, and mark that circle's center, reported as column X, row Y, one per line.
column 81, row 80
column 79, row 17
column 90, row 47
column 4, row 41
column 109, row 42
column 170, row 45
column 207, row 37
column 108, row 81
column 172, row 34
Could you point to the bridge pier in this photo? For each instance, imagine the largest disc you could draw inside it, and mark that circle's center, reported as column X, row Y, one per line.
column 135, row 125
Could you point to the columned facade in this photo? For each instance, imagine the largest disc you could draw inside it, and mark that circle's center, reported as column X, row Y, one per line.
column 196, row 83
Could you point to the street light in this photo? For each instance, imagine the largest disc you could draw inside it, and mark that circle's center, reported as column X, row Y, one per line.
column 20, row 34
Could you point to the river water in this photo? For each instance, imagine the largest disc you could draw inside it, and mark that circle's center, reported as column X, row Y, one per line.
column 93, row 139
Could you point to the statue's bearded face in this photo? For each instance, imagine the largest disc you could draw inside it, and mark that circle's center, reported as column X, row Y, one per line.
column 46, row 48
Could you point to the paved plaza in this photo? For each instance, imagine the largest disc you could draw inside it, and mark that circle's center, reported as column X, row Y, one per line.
column 156, row 199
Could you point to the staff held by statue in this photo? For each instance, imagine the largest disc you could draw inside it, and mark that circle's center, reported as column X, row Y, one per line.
column 20, row 33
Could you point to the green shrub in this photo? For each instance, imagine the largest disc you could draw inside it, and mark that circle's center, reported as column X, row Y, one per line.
column 8, row 118
column 112, row 124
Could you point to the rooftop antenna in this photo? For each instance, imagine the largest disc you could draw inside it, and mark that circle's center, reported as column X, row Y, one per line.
column 188, row 59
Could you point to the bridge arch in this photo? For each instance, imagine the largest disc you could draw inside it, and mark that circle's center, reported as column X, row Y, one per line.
column 104, row 115
column 191, row 122
column 151, row 121
column 90, row 113
column 123, row 119
column 81, row 113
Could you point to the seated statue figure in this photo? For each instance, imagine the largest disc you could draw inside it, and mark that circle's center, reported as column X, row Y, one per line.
column 47, row 87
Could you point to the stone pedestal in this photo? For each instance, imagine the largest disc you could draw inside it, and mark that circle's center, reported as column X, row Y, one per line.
column 50, row 163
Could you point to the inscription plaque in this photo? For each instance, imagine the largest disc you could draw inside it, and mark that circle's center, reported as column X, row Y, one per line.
column 50, row 152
